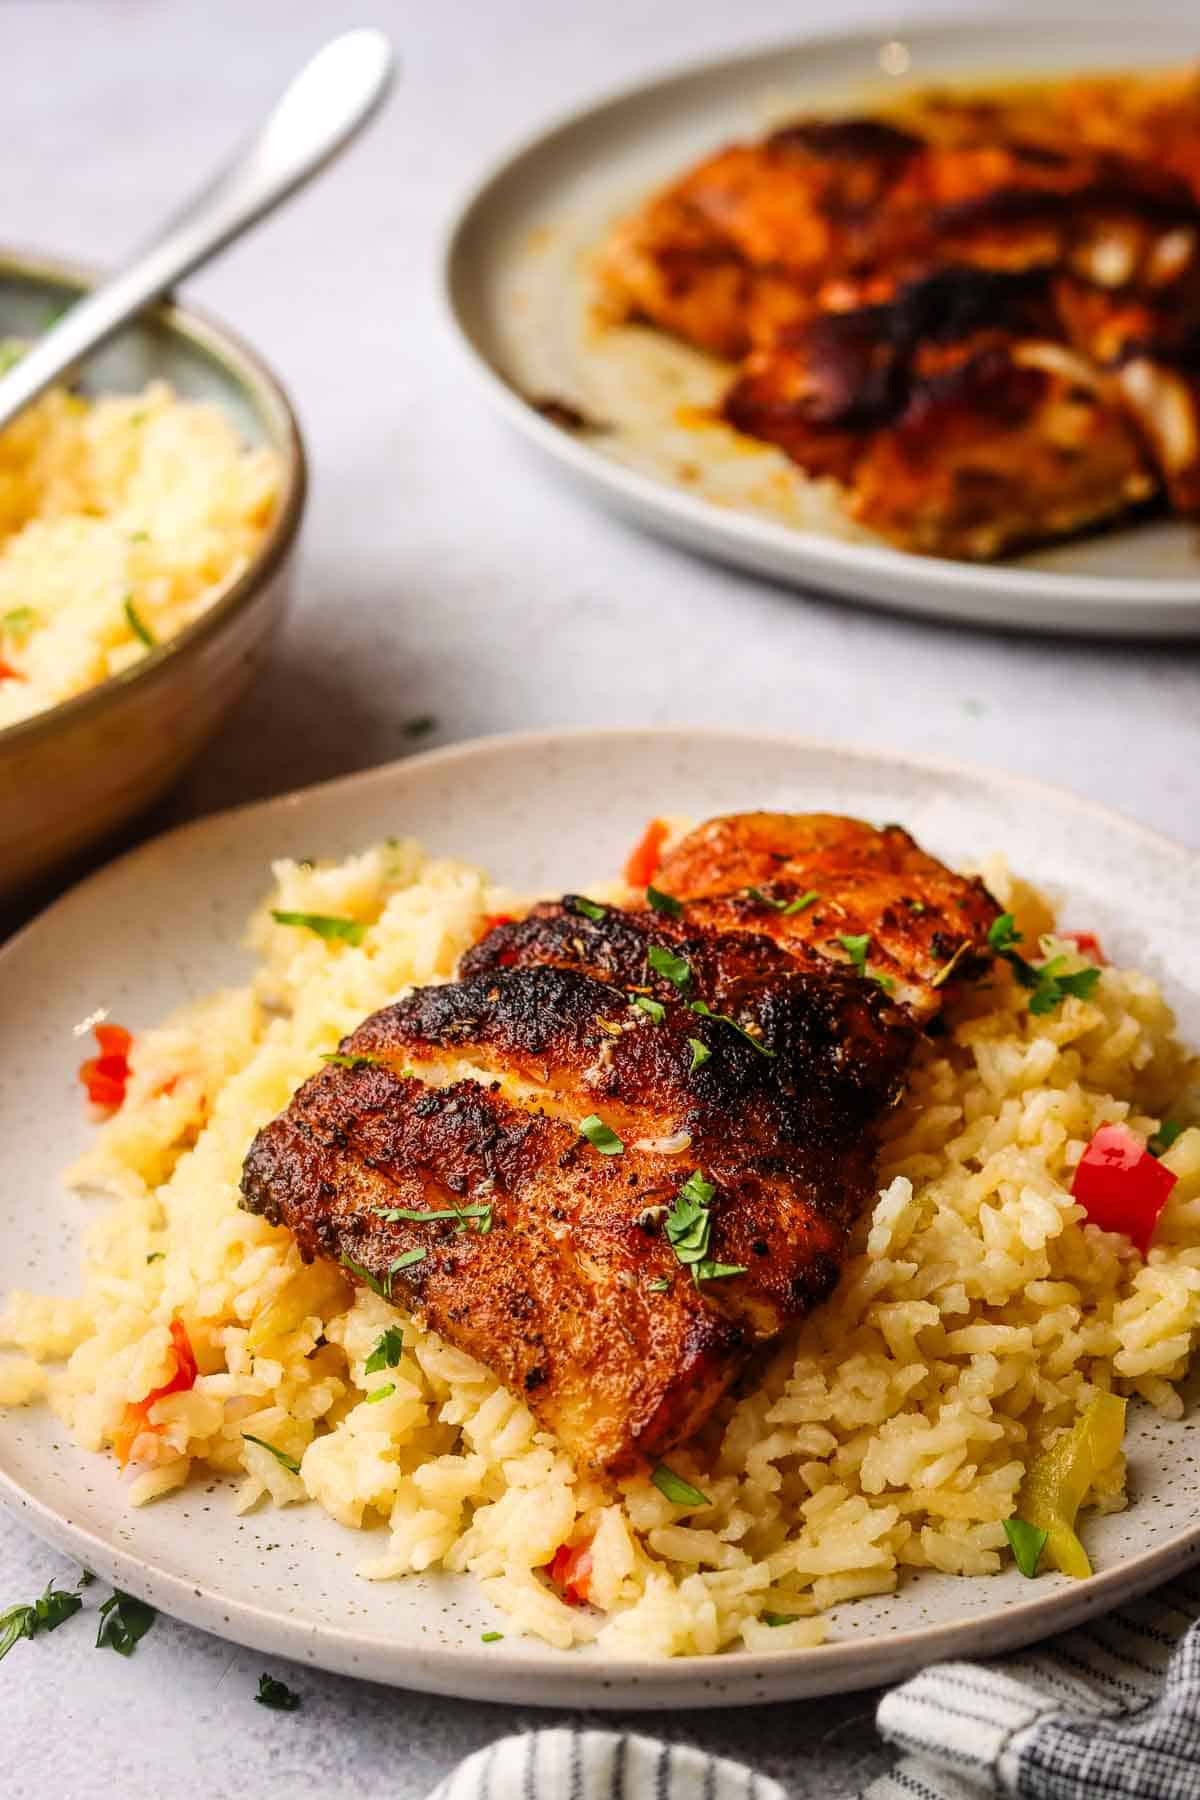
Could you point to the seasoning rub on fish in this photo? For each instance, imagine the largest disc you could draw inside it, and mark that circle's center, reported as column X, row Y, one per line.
column 627, row 1146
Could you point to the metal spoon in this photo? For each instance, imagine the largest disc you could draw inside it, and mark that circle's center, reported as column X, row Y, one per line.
column 315, row 117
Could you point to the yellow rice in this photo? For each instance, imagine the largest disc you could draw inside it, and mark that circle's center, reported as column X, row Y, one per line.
column 976, row 1317
column 127, row 511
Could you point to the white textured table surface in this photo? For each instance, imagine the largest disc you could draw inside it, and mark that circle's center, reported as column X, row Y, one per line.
column 443, row 573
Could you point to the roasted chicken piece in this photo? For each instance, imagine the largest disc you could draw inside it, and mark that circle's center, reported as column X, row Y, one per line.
column 981, row 316
column 624, row 1148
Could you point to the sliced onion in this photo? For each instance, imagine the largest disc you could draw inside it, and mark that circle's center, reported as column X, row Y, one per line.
column 666, row 1146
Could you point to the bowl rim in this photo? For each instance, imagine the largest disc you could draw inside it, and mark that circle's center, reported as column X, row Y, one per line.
column 267, row 394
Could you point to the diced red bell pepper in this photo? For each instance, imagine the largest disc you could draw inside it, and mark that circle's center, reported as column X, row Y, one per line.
column 8, row 673
column 643, row 862
column 1121, row 1186
column 137, row 1413
column 105, row 1076
column 570, row 1569
column 1087, row 944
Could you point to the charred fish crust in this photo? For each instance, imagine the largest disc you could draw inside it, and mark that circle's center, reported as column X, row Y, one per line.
column 544, row 1249
column 854, row 139
column 527, row 1010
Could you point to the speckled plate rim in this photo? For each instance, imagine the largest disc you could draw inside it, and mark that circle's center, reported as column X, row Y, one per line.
column 1000, row 594
column 516, row 1673
column 269, row 398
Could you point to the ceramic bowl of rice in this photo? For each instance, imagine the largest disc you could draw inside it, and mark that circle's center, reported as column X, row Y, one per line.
column 147, row 518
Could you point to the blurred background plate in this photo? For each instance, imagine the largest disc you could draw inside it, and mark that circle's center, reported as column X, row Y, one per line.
column 518, row 288
column 542, row 811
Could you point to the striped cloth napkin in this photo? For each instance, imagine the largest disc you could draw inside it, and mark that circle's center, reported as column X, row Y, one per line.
column 1112, row 1709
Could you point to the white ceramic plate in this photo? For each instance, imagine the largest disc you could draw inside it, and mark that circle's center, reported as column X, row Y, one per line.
column 519, row 292
column 164, row 925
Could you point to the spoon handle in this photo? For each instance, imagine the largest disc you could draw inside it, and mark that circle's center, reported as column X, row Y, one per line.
column 320, row 111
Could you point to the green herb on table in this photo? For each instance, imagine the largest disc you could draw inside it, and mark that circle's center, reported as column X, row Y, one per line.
column 386, row 1353
column 856, row 949
column 653, row 1009
column 155, row 1255
column 381, row 1393
column 678, row 1491
column 407, row 1260
column 325, row 925
column 276, row 1694
column 588, row 909
column 490, row 1637
column 54, row 1607
column 138, row 625
column 774, row 1619
column 600, row 1136
column 660, row 1285
column 124, row 1622
column 700, row 1054
column 281, row 1456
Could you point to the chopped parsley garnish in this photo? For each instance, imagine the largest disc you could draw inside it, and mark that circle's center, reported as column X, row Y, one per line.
column 364, row 1275
column 786, row 907
column 276, row 1694
column 1049, row 989
column 589, row 909
column 779, row 1618
column 700, row 1054
column 1045, row 985
column 676, row 969
column 421, row 726
column 688, row 1226
column 678, row 1491
column 856, row 949
column 138, row 625
column 124, row 1621
column 1028, row 1542
column 490, row 1637
column 281, row 1456
column 705, row 1011
column 47, row 1613
column 381, row 1393
column 139, row 537
column 660, row 1285
column 478, row 1215
column 155, row 1255
column 386, row 1353
column 1164, row 1137
column 361, row 1060
column 600, row 1136
column 653, row 1009
column 18, row 622
column 326, row 925
column 666, row 904
column 1002, row 934
column 405, row 1261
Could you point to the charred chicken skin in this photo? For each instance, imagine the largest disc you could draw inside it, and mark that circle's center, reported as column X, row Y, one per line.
column 729, row 1064
column 982, row 319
